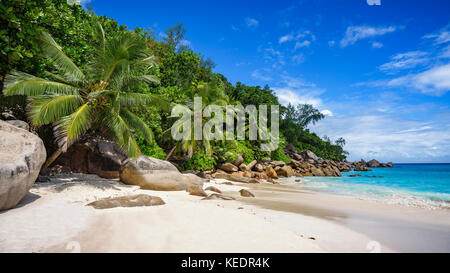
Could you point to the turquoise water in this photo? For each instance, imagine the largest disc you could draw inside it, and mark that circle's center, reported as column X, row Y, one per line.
column 410, row 184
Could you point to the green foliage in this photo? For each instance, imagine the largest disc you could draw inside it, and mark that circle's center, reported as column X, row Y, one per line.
column 296, row 119
column 75, row 85
column 225, row 156
column 322, row 148
column 200, row 162
column 253, row 95
column 150, row 149
column 279, row 155
column 244, row 148
column 77, row 102
column 22, row 22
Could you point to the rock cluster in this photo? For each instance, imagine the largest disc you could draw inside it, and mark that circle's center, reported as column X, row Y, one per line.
column 92, row 156
column 363, row 166
column 305, row 163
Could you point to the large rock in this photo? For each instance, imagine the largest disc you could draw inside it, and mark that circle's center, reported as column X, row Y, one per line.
column 22, row 155
column 246, row 193
column 216, row 196
column 270, row 172
column 238, row 161
column 141, row 200
column 373, row 163
column 19, row 124
column 92, row 156
column 296, row 164
column 251, row 165
column 344, row 168
column 159, row 175
column 228, row 167
column 315, row 171
column 361, row 168
column 277, row 163
column 330, row 170
column 236, row 178
column 285, row 171
column 259, row 168
column 309, row 156
column 214, row 189
column 261, row 176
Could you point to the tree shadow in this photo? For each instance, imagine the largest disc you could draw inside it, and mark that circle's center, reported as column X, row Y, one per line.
column 60, row 183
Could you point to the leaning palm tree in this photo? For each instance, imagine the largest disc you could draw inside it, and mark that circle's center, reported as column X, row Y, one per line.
column 211, row 94
column 99, row 97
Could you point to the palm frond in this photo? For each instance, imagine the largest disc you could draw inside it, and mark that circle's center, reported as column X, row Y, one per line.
column 136, row 123
column 100, row 37
column 47, row 109
column 133, row 150
column 150, row 61
column 119, row 130
column 139, row 99
column 54, row 53
column 71, row 127
column 20, row 83
column 150, row 79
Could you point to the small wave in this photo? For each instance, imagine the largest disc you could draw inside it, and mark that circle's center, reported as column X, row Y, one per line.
column 429, row 200
column 415, row 201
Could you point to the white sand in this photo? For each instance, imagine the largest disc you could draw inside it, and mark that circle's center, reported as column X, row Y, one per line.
column 59, row 220
column 54, row 218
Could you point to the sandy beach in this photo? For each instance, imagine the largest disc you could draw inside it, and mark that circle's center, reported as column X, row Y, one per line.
column 54, row 218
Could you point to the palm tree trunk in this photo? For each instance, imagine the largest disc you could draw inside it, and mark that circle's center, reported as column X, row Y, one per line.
column 170, row 153
column 52, row 158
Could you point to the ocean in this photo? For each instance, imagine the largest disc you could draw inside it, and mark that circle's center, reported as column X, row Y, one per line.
column 420, row 185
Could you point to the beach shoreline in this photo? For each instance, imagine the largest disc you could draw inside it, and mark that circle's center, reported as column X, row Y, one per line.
column 54, row 218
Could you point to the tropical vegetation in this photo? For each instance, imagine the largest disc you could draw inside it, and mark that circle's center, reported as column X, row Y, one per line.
column 71, row 73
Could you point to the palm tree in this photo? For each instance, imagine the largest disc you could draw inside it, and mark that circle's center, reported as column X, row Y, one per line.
column 211, row 94
column 98, row 97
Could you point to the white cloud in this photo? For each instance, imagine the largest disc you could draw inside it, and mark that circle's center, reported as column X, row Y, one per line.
column 389, row 138
column 355, row 33
column 404, row 61
column 327, row 112
column 81, row 2
column 305, row 43
column 296, row 91
column 262, row 75
column 445, row 53
column 435, row 81
column 298, row 59
column 377, row 45
column 331, row 43
column 251, row 22
column 286, row 38
column 288, row 95
column 441, row 37
column 302, row 39
column 275, row 57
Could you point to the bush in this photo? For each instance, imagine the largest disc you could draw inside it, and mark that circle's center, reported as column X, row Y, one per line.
column 279, row 155
column 151, row 150
column 245, row 151
column 225, row 154
column 199, row 162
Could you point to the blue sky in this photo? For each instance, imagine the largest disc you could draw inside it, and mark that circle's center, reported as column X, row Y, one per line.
column 381, row 73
